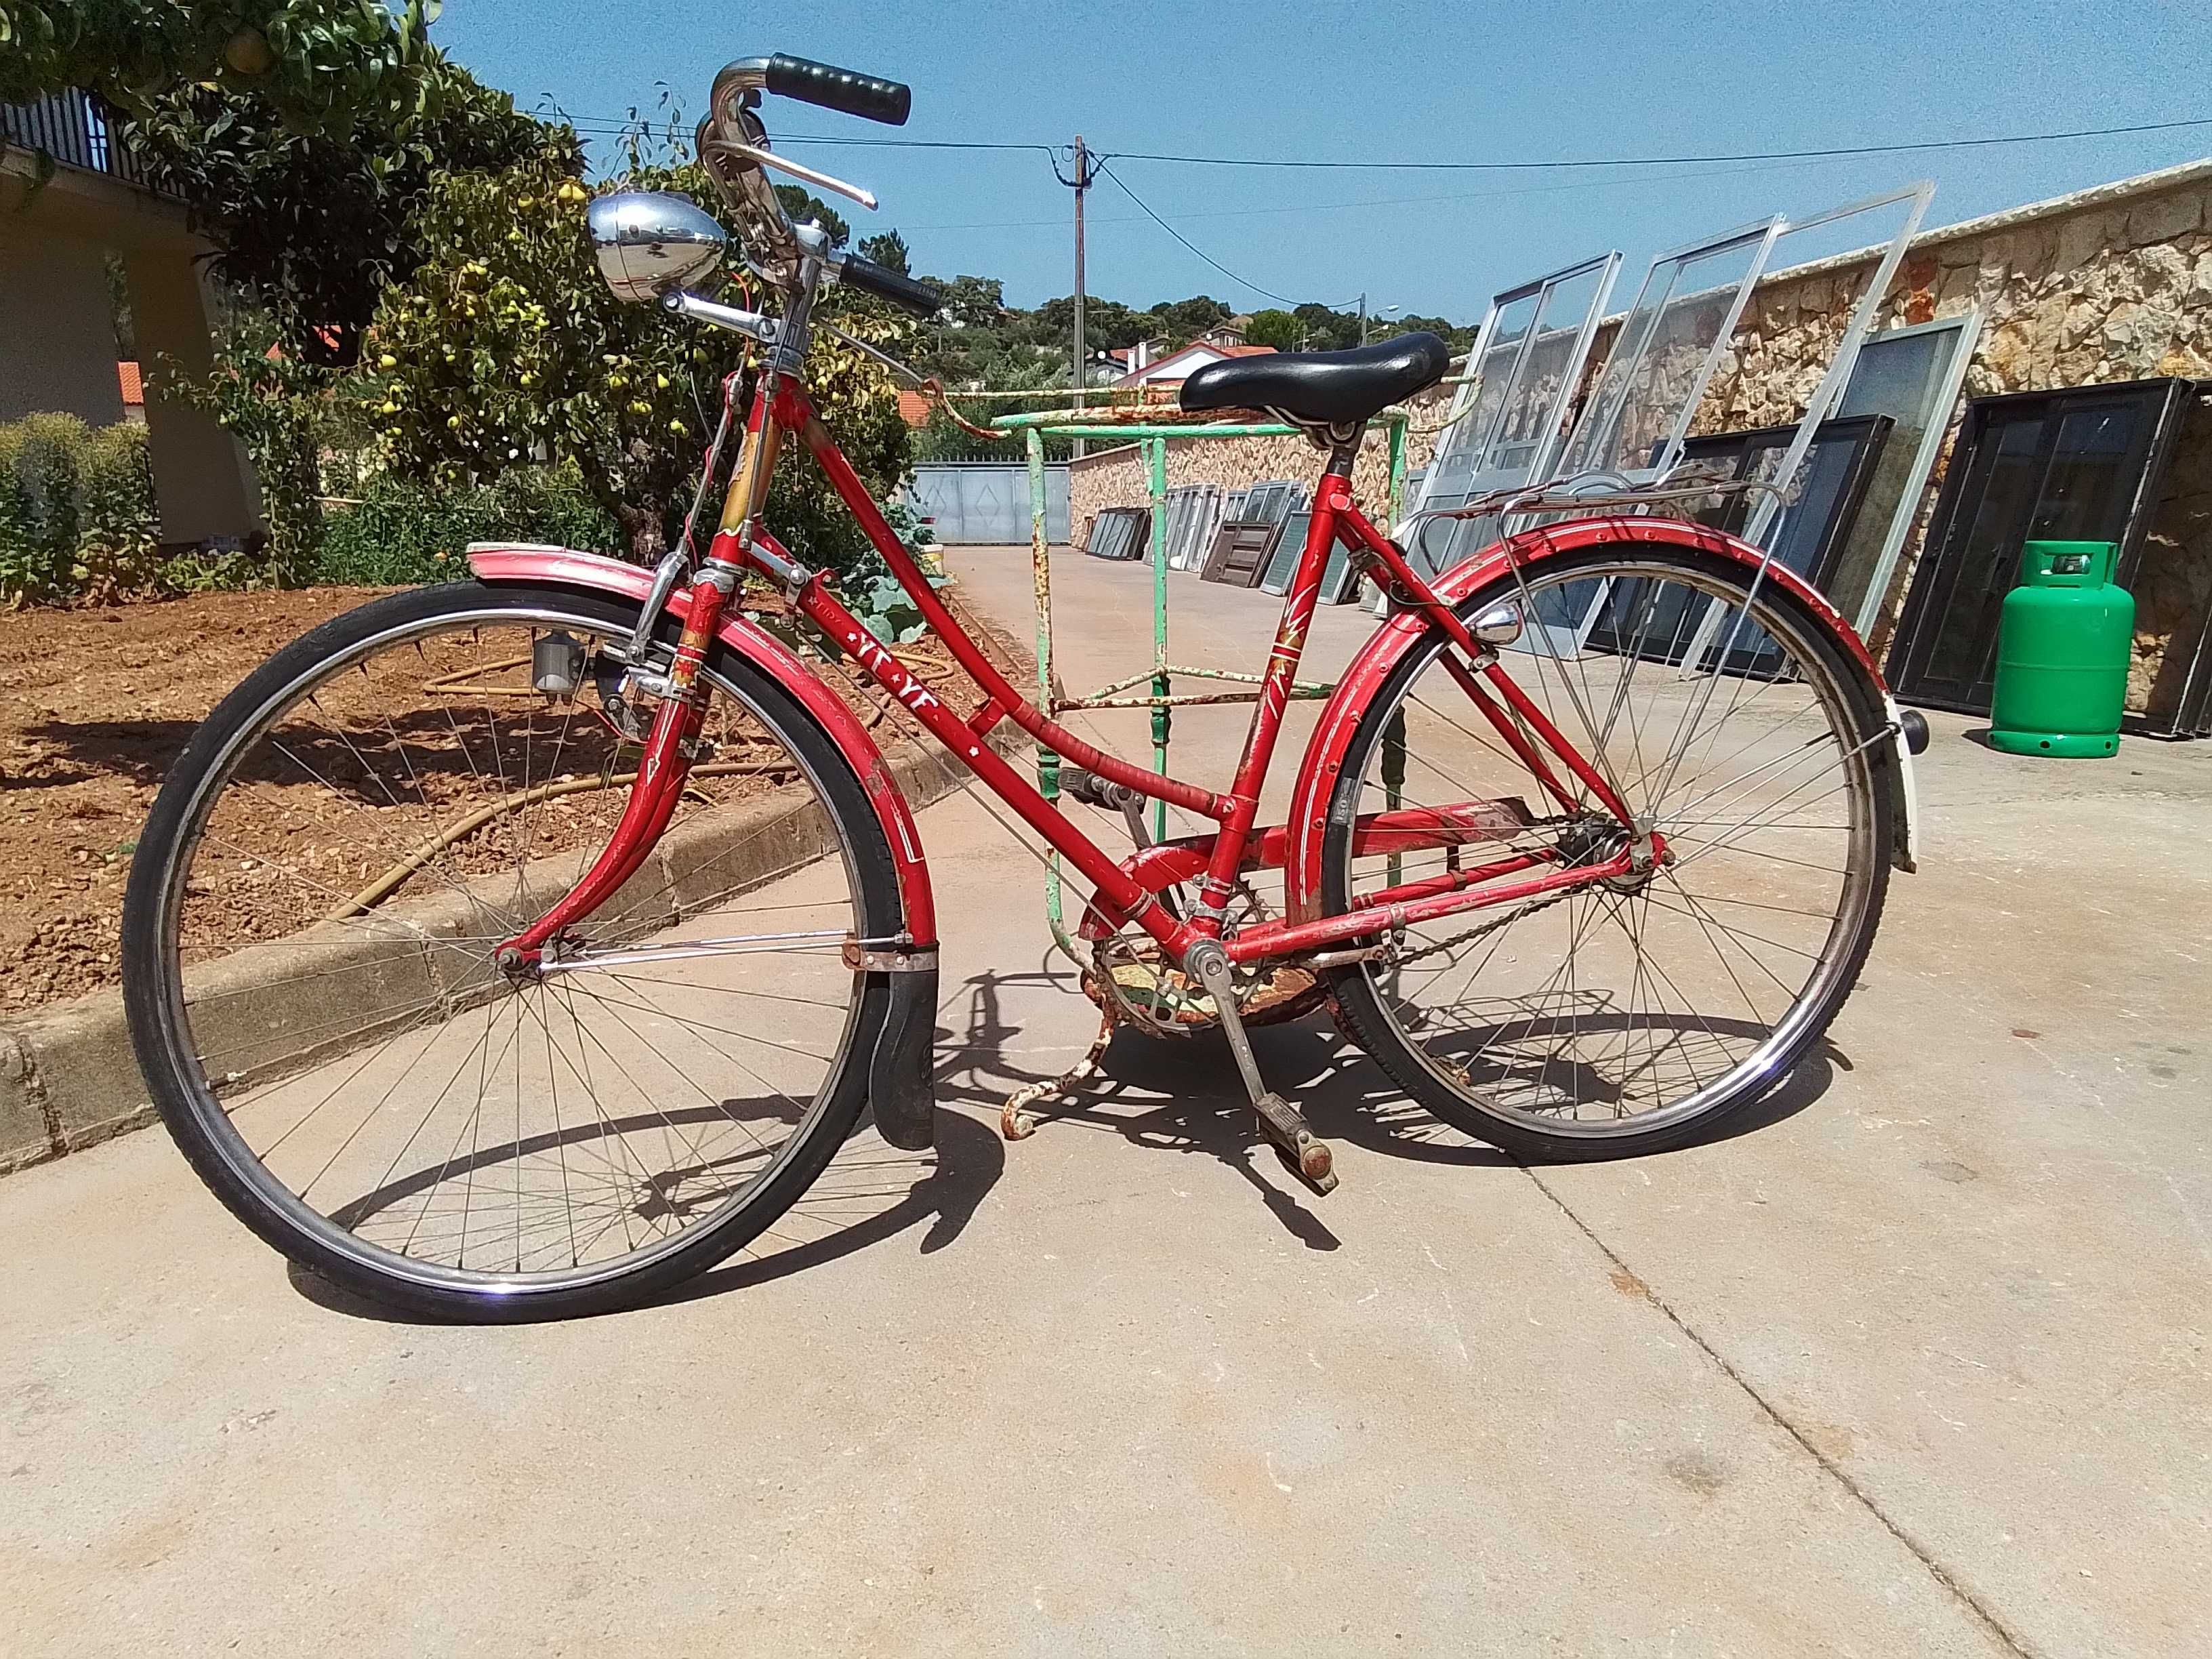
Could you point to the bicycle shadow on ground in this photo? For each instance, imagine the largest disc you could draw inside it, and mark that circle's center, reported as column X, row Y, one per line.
column 1183, row 1094
column 870, row 1194
column 1166, row 1094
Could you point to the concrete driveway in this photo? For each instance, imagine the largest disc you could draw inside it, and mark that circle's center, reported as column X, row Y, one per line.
column 1915, row 1365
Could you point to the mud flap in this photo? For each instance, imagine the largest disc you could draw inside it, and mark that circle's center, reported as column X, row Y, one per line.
column 1905, row 843
column 901, row 1076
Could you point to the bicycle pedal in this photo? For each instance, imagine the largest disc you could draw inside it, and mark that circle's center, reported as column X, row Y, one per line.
column 1304, row 1153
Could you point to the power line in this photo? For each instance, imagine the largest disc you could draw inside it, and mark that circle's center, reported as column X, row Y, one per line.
column 1671, row 161
column 1365, row 203
column 1243, row 281
column 1830, row 154
column 907, row 143
column 598, row 127
column 601, row 127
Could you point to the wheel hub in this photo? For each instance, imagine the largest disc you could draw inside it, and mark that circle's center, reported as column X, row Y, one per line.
column 1594, row 839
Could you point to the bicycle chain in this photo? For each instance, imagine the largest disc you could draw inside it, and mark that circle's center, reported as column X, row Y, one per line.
column 1488, row 927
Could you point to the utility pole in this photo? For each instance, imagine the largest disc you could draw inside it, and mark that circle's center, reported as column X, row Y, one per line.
column 1362, row 316
column 1081, row 363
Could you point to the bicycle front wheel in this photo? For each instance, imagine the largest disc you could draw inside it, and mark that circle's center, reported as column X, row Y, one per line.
column 309, row 964
column 1634, row 1013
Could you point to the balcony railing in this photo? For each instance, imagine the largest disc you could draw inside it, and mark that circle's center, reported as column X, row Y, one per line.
column 78, row 130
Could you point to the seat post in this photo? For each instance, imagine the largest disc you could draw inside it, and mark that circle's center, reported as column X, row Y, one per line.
column 1330, row 497
column 1344, row 455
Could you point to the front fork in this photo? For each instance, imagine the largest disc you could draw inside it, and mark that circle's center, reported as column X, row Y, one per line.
column 670, row 744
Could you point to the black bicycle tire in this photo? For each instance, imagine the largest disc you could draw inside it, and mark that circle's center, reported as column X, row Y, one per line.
column 1359, row 1009
column 148, row 980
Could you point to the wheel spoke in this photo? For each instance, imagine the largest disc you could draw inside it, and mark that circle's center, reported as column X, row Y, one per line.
column 432, row 1113
column 1645, row 1001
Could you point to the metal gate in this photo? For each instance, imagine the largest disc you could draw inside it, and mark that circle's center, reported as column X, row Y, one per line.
column 982, row 504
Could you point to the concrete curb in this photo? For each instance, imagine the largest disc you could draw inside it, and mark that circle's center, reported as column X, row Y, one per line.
column 68, row 1077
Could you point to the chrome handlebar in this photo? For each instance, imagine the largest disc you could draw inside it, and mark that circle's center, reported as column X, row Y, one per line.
column 751, row 324
column 732, row 144
column 733, row 148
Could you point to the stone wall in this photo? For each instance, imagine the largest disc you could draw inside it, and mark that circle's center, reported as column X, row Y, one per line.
column 2111, row 284
column 2174, row 581
column 1116, row 477
column 2108, row 285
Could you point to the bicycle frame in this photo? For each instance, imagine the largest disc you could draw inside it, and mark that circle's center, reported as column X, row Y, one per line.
column 1556, row 1052
column 742, row 543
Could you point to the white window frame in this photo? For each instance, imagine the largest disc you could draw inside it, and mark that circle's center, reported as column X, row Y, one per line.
column 1968, row 327
column 1483, row 480
column 1767, row 514
column 1654, row 297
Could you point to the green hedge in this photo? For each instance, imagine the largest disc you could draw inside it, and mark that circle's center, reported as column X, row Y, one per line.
column 78, row 525
column 401, row 533
column 76, row 511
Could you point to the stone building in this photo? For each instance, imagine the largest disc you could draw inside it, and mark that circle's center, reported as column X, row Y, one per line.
column 2108, row 286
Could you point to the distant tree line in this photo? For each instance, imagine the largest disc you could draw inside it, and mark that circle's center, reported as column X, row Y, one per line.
column 978, row 341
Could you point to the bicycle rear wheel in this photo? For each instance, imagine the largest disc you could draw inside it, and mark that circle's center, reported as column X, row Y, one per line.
column 1628, row 1015
column 308, row 962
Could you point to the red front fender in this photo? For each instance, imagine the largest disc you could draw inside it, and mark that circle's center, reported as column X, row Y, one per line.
column 520, row 563
column 1363, row 680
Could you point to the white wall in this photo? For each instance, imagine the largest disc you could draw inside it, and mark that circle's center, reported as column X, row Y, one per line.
column 1179, row 365
column 56, row 336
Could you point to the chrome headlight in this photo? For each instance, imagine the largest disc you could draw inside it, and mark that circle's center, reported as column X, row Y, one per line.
column 651, row 244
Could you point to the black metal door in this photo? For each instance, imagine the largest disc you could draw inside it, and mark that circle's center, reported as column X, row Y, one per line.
column 1822, row 504
column 2078, row 465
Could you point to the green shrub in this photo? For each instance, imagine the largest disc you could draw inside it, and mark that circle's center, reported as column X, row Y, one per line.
column 401, row 533
column 281, row 410
column 77, row 513
column 119, row 542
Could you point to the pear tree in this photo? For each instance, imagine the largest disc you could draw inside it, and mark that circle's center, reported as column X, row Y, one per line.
column 505, row 349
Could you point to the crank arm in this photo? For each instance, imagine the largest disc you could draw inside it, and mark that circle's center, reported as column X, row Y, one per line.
column 1303, row 1153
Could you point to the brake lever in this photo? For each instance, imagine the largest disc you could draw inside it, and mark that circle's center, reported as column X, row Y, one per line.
column 761, row 156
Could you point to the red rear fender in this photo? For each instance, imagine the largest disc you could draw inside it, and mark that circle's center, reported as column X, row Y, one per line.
column 1364, row 679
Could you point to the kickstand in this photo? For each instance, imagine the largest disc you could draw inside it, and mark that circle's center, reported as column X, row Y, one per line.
column 1303, row 1153
column 1016, row 1121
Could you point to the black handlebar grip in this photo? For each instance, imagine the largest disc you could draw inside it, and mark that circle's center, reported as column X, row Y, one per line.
column 839, row 89
column 887, row 284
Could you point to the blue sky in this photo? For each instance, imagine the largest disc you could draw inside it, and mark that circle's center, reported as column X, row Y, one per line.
column 1383, row 81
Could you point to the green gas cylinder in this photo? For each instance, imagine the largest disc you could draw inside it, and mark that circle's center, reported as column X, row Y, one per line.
column 2063, row 644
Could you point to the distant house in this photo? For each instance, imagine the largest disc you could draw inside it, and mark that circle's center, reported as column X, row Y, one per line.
column 1176, row 366
column 134, row 392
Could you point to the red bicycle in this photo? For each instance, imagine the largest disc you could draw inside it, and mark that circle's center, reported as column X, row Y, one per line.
column 521, row 946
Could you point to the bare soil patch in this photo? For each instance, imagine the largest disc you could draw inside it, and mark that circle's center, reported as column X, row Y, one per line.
column 95, row 705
